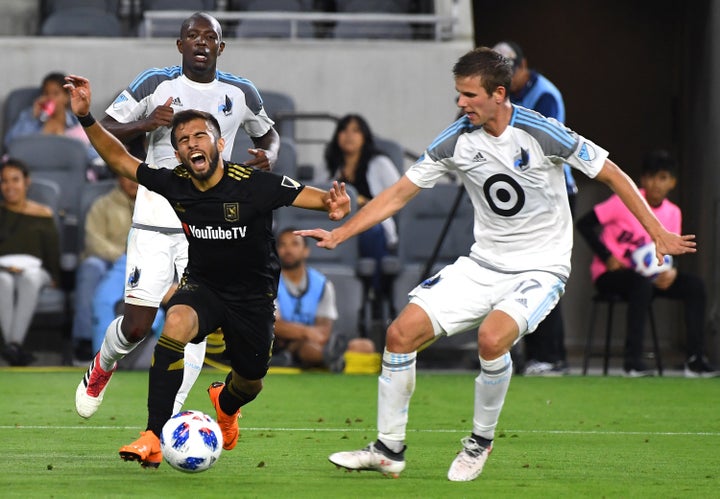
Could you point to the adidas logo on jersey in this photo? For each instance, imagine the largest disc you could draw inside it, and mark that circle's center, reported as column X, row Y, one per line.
column 177, row 102
column 479, row 158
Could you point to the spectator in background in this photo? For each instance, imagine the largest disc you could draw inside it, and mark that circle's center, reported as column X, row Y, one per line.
column 106, row 230
column 618, row 241
column 352, row 157
column 545, row 353
column 29, row 258
column 306, row 311
column 50, row 114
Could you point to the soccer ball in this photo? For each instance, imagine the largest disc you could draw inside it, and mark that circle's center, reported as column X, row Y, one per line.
column 191, row 441
column 646, row 262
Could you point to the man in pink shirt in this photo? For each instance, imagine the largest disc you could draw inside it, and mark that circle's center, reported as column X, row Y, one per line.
column 617, row 239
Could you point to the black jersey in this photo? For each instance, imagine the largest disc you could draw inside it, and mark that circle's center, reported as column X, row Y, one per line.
column 228, row 227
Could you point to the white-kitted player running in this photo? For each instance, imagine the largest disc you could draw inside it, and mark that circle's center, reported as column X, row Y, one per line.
column 157, row 248
column 510, row 160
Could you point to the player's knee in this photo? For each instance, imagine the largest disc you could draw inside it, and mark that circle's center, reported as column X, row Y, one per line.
column 400, row 339
column 491, row 344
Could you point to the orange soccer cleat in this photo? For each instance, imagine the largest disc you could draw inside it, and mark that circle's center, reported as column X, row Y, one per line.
column 228, row 423
column 145, row 449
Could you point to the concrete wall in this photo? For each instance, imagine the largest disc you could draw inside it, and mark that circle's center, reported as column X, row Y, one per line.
column 404, row 89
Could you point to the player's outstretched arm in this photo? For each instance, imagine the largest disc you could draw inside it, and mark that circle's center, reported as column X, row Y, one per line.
column 666, row 243
column 108, row 147
column 335, row 200
column 384, row 205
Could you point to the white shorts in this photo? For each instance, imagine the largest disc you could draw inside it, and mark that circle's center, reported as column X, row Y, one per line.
column 459, row 297
column 154, row 259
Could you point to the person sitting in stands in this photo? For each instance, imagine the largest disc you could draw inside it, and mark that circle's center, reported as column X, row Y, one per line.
column 50, row 114
column 306, row 312
column 29, row 258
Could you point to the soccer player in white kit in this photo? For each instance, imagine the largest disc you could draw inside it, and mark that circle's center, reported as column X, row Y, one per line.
column 157, row 247
column 510, row 160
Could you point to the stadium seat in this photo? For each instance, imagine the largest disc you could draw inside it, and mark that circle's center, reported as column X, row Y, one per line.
column 610, row 300
column 171, row 27
column 82, row 22
column 15, row 102
column 275, row 104
column 394, row 152
column 383, row 30
column 271, row 28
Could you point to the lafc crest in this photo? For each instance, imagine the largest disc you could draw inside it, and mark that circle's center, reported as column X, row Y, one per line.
column 232, row 212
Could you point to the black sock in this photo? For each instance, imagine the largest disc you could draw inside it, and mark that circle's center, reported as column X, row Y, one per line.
column 231, row 398
column 482, row 442
column 166, row 375
column 399, row 456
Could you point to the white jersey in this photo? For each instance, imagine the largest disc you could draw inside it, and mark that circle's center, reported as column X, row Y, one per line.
column 517, row 187
column 234, row 101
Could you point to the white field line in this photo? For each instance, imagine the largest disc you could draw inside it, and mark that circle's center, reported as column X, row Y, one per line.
column 410, row 430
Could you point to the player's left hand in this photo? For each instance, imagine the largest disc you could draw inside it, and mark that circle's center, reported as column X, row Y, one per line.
column 337, row 201
column 263, row 159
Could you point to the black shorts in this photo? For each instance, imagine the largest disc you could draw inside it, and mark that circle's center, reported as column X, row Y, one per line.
column 247, row 325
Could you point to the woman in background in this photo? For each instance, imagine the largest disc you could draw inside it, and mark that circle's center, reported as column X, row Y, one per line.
column 50, row 114
column 29, row 258
column 352, row 157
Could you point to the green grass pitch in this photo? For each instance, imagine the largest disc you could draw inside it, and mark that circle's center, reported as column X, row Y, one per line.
column 560, row 437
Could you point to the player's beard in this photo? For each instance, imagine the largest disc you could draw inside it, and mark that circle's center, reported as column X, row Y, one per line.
column 214, row 161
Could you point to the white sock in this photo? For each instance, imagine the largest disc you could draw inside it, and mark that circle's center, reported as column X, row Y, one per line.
column 396, row 385
column 491, row 386
column 194, row 358
column 114, row 346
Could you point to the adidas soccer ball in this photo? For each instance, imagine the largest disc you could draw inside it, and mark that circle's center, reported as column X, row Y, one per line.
column 646, row 262
column 191, row 441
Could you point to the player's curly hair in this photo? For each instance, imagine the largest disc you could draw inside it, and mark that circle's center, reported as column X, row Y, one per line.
column 183, row 117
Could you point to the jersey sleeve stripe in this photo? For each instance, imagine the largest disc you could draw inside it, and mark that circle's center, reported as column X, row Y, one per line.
column 455, row 129
column 161, row 73
column 554, row 129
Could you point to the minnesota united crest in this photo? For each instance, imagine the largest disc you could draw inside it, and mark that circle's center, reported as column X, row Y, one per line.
column 232, row 212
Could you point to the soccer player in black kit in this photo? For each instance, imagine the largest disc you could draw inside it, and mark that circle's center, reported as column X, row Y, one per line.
column 232, row 274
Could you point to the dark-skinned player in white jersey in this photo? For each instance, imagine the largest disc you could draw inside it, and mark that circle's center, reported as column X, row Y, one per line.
column 232, row 274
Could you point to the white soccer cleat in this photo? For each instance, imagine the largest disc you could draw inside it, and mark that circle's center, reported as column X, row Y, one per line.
column 90, row 391
column 469, row 462
column 370, row 458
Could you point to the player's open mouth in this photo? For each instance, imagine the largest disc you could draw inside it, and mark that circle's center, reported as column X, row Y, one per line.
column 197, row 159
column 200, row 56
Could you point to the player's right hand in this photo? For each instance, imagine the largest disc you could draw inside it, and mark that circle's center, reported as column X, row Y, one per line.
column 160, row 116
column 80, row 94
column 324, row 238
